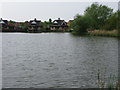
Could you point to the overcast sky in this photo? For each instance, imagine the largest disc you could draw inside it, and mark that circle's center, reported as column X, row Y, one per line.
column 23, row 11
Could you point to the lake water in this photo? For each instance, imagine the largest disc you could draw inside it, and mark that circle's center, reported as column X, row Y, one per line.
column 57, row 60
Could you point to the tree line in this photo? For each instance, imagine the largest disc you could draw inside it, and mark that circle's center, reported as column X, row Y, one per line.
column 96, row 17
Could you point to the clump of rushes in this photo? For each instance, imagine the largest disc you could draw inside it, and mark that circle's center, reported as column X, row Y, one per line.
column 112, row 84
column 101, row 83
column 112, row 33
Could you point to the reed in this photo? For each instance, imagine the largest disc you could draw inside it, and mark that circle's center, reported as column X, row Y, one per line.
column 111, row 84
column 112, row 33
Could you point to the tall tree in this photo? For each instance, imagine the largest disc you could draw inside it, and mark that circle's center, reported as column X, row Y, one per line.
column 80, row 24
column 111, row 22
column 99, row 14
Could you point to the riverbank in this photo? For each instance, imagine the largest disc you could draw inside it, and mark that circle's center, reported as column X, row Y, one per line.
column 103, row 33
column 32, row 31
column 112, row 33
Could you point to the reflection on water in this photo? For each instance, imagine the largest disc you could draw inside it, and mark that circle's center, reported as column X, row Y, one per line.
column 56, row 60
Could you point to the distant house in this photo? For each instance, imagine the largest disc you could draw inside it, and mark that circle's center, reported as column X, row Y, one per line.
column 60, row 25
column 35, row 25
column 3, row 24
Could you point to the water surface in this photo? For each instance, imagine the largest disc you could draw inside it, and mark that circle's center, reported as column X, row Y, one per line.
column 56, row 60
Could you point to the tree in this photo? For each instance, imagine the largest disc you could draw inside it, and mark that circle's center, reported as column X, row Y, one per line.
column 11, row 22
column 118, row 23
column 111, row 22
column 99, row 14
column 50, row 20
column 80, row 25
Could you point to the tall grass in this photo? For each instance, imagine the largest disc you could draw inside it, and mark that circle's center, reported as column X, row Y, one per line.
column 112, row 33
column 111, row 84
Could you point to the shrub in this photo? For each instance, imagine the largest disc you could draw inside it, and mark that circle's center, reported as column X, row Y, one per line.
column 80, row 25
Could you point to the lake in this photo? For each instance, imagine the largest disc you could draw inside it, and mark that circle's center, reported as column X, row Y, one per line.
column 57, row 60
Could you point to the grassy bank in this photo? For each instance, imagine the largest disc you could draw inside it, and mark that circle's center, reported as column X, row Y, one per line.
column 112, row 33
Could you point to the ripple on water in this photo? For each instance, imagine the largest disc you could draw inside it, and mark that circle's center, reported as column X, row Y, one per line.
column 57, row 59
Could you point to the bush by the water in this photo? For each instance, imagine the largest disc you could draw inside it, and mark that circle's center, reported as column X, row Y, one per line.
column 80, row 25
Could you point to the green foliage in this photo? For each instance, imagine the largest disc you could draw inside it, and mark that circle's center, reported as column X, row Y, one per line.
column 23, row 26
column 99, row 14
column 111, row 22
column 46, row 24
column 97, row 17
column 80, row 24
column 118, row 23
column 11, row 22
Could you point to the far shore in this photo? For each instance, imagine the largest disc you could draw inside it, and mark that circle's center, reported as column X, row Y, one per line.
column 105, row 33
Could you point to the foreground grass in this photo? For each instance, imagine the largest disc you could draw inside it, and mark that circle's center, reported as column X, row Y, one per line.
column 112, row 33
column 110, row 82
